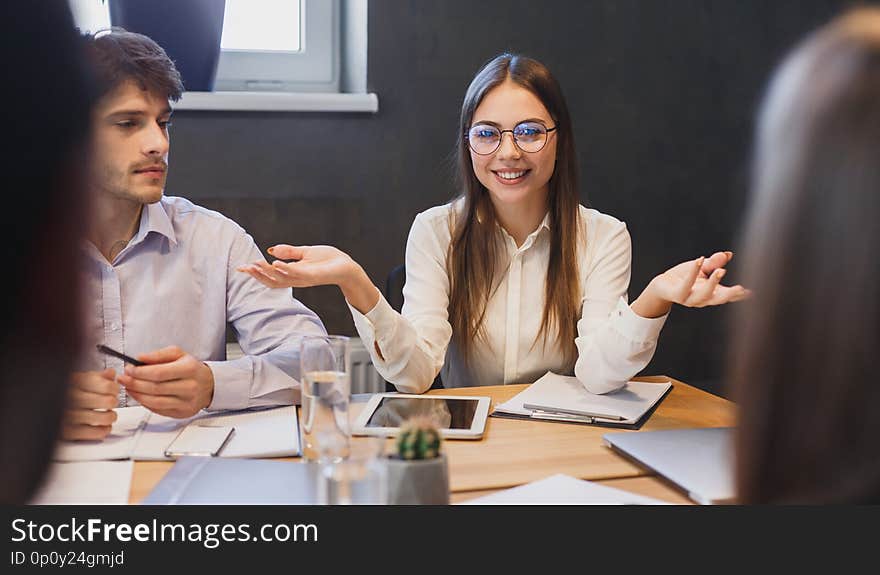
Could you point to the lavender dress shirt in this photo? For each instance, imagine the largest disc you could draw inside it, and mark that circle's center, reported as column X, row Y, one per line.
column 176, row 283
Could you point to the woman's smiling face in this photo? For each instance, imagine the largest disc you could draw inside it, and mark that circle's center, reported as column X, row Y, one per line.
column 511, row 175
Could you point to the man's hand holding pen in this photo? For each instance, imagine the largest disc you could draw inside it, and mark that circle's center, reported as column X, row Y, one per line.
column 174, row 383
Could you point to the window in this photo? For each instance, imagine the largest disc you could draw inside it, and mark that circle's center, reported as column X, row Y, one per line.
column 267, row 45
column 90, row 15
column 270, row 25
column 280, row 46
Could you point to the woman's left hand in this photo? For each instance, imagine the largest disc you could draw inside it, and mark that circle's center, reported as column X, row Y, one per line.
column 694, row 283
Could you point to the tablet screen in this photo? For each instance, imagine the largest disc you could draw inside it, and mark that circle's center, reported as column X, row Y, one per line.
column 446, row 413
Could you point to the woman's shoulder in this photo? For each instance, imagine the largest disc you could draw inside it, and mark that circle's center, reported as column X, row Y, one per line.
column 599, row 224
column 434, row 225
column 438, row 217
column 437, row 213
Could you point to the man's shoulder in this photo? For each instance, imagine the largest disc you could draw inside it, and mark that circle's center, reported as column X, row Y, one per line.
column 181, row 210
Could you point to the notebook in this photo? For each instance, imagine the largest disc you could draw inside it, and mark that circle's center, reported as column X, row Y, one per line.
column 562, row 398
column 211, row 481
column 697, row 461
column 561, row 489
column 143, row 436
column 118, row 445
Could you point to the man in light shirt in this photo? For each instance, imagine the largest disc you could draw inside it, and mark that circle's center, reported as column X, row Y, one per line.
column 160, row 271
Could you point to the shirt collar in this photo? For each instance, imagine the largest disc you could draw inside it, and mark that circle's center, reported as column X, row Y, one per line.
column 545, row 223
column 532, row 237
column 154, row 218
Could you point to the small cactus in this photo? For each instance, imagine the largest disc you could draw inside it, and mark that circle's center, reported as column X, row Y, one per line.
column 418, row 439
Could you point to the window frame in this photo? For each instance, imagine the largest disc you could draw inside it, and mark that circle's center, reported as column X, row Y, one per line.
column 315, row 68
column 347, row 92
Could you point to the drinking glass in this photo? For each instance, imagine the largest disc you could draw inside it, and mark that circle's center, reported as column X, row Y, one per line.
column 359, row 479
column 325, row 366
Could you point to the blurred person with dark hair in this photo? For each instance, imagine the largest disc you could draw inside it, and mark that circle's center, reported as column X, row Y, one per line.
column 44, row 168
column 804, row 365
column 160, row 271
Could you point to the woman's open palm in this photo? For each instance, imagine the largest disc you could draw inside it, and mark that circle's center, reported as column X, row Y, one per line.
column 310, row 266
column 697, row 283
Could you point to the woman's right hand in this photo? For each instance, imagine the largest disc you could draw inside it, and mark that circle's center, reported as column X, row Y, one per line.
column 311, row 266
column 316, row 266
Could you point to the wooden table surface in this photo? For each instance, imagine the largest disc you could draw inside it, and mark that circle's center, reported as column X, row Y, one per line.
column 513, row 452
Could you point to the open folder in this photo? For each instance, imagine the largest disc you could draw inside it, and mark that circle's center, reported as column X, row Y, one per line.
column 141, row 435
column 562, row 398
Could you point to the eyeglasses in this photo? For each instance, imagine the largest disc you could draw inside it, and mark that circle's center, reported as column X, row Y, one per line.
column 531, row 137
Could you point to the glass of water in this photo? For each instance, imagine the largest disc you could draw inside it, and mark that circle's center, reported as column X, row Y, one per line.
column 325, row 367
column 359, row 479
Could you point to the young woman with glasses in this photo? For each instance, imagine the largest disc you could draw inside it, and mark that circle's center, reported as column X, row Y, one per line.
column 514, row 277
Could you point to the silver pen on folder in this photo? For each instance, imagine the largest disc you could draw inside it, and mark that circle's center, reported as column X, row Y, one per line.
column 554, row 416
column 558, row 411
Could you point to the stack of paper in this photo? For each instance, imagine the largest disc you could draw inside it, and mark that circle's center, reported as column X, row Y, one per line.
column 86, row 483
column 563, row 490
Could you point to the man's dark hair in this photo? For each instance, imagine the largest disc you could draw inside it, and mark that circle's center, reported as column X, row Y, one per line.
column 118, row 56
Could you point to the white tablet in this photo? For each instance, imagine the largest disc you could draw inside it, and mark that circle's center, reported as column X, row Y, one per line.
column 457, row 417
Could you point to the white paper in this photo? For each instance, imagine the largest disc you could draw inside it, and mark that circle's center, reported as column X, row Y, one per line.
column 563, row 489
column 553, row 390
column 118, row 445
column 158, row 433
column 269, row 433
column 141, row 435
column 258, row 433
column 86, row 483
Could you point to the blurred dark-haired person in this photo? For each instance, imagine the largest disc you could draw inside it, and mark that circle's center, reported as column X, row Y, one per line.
column 161, row 270
column 44, row 171
column 804, row 364
column 514, row 277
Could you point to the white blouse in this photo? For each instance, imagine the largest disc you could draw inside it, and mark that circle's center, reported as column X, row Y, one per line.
column 613, row 343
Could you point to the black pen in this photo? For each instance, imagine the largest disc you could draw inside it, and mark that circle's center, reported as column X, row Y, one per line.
column 110, row 351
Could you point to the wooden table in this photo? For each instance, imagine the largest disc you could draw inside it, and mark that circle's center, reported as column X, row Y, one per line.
column 513, row 452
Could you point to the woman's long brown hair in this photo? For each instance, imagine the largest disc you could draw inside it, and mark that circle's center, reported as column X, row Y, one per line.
column 804, row 363
column 474, row 259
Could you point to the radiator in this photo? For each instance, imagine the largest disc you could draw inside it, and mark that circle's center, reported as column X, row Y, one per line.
column 364, row 377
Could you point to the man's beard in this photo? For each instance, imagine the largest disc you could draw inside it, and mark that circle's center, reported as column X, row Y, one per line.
column 117, row 184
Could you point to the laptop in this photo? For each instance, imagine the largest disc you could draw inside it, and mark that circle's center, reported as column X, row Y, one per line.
column 697, row 461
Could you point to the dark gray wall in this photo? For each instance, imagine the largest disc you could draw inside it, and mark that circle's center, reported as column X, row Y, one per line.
column 662, row 94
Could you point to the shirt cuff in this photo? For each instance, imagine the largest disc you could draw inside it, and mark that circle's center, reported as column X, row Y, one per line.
column 232, row 383
column 634, row 327
column 380, row 322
